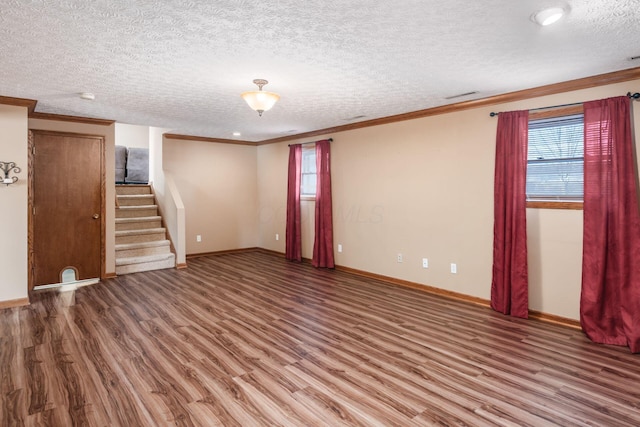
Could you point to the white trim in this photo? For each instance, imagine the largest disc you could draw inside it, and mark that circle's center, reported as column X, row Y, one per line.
column 68, row 286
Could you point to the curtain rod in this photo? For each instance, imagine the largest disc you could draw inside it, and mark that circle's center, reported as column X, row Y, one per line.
column 328, row 139
column 629, row 94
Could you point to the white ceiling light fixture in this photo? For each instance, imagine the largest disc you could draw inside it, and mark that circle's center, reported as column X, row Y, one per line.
column 260, row 100
column 548, row 16
column 88, row 96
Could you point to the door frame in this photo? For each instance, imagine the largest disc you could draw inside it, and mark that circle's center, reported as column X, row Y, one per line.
column 30, row 191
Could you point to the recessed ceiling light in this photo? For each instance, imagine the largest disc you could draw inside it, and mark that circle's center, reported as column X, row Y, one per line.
column 548, row 16
column 237, row 134
column 88, row 96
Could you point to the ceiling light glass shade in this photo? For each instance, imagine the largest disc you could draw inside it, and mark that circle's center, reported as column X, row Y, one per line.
column 548, row 16
column 260, row 100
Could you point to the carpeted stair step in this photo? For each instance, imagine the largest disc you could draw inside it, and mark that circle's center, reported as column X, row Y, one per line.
column 136, row 211
column 128, row 250
column 141, row 241
column 145, row 263
column 140, row 235
column 133, row 189
column 135, row 199
column 138, row 223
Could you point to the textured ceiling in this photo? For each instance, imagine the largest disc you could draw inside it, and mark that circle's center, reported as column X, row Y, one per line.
column 182, row 64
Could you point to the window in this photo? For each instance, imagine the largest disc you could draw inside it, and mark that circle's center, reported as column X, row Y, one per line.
column 308, row 178
column 555, row 161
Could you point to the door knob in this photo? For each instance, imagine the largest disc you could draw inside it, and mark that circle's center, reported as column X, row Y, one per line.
column 96, row 216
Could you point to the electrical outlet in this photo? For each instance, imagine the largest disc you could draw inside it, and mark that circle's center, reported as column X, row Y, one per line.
column 339, row 248
column 198, row 238
column 425, row 263
column 454, row 268
column 399, row 257
column 277, row 236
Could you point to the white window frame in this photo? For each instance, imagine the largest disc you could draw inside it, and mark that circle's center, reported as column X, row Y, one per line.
column 308, row 172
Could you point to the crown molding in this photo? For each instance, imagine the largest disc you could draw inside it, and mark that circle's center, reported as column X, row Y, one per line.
column 74, row 119
column 208, row 139
column 552, row 89
column 30, row 104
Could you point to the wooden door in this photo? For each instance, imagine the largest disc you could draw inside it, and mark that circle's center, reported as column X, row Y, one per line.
column 67, row 207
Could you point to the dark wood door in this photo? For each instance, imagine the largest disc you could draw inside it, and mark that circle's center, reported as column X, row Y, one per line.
column 67, row 205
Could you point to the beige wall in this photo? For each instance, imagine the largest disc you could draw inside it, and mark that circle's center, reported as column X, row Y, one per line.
column 218, row 186
column 132, row 135
column 424, row 188
column 14, row 201
column 109, row 137
column 167, row 195
column 156, row 173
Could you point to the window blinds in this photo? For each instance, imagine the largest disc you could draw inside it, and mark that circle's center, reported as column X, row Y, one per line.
column 556, row 158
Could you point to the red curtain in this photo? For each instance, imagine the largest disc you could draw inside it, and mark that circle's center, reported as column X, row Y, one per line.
column 323, row 243
column 293, row 249
column 610, row 298
column 509, row 286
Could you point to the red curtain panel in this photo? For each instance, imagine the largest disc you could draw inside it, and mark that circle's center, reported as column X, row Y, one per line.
column 509, row 286
column 610, row 298
column 293, row 250
column 323, row 242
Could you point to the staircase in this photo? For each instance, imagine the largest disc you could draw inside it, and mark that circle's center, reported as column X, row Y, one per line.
column 141, row 241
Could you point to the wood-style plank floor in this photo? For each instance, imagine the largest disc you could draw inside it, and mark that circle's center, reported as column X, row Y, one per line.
column 251, row 340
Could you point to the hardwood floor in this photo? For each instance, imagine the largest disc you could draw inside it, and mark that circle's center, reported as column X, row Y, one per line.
column 252, row 340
